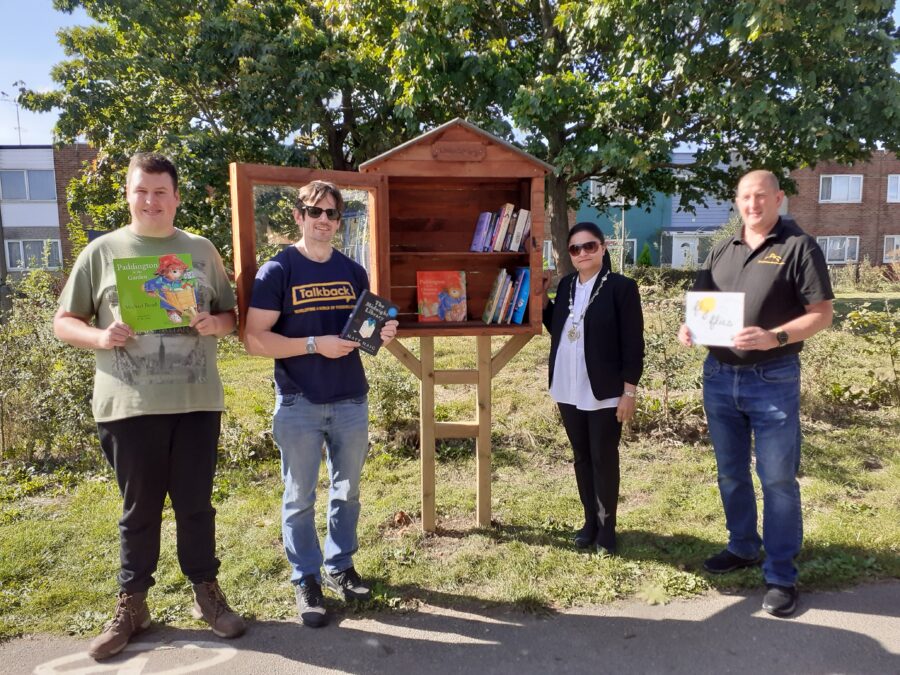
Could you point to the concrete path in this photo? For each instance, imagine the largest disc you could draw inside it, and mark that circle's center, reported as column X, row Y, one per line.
column 855, row 631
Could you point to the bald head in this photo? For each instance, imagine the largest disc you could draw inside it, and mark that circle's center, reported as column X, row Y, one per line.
column 769, row 178
column 758, row 200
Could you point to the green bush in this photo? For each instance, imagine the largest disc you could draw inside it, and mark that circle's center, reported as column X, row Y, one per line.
column 45, row 385
column 862, row 277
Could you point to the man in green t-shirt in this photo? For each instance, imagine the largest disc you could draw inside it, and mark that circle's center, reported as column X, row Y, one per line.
column 158, row 400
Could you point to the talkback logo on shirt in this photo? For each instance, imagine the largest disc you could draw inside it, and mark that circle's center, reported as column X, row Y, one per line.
column 771, row 259
column 322, row 296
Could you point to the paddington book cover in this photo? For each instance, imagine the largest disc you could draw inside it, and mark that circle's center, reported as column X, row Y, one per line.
column 442, row 295
column 367, row 319
column 156, row 292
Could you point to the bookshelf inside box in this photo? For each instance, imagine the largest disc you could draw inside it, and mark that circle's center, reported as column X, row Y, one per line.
column 429, row 226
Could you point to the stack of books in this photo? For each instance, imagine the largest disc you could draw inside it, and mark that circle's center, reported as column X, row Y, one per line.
column 508, row 298
column 507, row 229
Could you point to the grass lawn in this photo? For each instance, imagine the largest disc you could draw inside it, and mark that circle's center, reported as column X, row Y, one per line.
column 59, row 540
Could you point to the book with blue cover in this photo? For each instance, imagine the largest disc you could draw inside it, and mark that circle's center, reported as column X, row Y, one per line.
column 521, row 301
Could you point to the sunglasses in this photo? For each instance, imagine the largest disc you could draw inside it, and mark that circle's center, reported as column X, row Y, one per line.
column 315, row 212
column 587, row 247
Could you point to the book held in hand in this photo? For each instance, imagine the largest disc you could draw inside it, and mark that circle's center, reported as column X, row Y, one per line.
column 441, row 295
column 156, row 292
column 366, row 321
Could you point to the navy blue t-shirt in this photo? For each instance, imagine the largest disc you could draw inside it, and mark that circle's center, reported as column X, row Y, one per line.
column 314, row 298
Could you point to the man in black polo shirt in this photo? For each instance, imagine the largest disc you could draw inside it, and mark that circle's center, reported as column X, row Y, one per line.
column 753, row 388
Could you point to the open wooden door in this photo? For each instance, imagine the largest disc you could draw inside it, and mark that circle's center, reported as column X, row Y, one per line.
column 261, row 216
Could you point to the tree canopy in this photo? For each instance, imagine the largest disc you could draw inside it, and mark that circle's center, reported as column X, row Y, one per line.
column 597, row 88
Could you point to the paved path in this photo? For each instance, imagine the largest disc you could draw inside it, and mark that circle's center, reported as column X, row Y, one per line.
column 855, row 631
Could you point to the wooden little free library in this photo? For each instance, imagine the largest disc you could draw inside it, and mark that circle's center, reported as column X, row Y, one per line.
column 424, row 199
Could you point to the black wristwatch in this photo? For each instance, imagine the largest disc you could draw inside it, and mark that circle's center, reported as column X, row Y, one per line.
column 782, row 338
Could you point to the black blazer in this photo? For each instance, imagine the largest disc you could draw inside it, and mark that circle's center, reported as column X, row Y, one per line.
column 613, row 333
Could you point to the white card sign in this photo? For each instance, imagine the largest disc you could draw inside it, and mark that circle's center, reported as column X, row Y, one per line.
column 714, row 318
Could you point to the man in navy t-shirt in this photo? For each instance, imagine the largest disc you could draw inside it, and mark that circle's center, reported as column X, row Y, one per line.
column 301, row 300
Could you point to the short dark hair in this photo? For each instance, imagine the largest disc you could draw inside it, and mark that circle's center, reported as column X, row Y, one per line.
column 311, row 193
column 589, row 227
column 152, row 162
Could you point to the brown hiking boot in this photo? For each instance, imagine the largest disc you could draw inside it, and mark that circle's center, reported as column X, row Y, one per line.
column 211, row 606
column 130, row 618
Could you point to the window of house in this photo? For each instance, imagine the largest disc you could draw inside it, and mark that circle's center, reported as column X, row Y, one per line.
column 630, row 250
column 29, row 254
column 839, row 250
column 838, row 189
column 32, row 185
column 893, row 194
column 892, row 249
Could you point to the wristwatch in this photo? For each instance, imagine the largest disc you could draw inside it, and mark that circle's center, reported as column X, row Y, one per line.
column 311, row 344
column 782, row 338
column 629, row 394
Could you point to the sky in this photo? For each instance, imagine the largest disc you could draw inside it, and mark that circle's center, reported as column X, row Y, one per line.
column 29, row 50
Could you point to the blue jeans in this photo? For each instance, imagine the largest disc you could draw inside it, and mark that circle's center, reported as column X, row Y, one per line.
column 300, row 428
column 762, row 400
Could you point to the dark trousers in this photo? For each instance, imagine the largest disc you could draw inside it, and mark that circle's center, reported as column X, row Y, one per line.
column 155, row 455
column 594, row 435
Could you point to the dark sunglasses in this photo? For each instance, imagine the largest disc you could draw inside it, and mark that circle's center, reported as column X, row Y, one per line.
column 587, row 247
column 315, row 212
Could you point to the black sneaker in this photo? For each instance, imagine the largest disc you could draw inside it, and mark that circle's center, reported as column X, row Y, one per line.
column 726, row 561
column 310, row 602
column 780, row 600
column 347, row 585
column 585, row 537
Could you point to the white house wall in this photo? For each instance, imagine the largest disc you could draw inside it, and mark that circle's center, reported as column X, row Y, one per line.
column 26, row 158
column 29, row 214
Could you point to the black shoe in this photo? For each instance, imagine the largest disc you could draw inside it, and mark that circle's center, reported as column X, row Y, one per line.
column 585, row 537
column 780, row 600
column 347, row 585
column 726, row 561
column 310, row 602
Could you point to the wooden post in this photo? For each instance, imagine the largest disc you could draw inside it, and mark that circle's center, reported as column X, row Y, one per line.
column 483, row 440
column 426, row 431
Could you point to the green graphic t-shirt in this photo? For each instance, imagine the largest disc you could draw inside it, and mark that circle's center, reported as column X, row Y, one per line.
column 163, row 371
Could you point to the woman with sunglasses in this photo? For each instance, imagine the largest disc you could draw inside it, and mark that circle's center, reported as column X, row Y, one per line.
column 596, row 359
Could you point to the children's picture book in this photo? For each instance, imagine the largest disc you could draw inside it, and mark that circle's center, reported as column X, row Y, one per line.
column 482, row 228
column 502, row 226
column 442, row 295
column 521, row 301
column 367, row 319
column 493, row 296
column 523, row 219
column 156, row 292
column 713, row 318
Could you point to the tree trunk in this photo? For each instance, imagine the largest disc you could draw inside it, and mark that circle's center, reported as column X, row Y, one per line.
column 558, row 221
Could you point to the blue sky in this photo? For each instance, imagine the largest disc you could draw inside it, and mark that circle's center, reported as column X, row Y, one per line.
column 28, row 50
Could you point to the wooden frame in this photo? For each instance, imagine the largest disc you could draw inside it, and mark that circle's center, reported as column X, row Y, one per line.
column 244, row 177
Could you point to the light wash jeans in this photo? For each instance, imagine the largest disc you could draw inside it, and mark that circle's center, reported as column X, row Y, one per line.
column 762, row 399
column 300, row 428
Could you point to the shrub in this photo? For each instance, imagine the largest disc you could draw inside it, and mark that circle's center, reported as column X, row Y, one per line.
column 45, row 385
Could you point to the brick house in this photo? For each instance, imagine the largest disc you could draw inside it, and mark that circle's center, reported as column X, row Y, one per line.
column 853, row 211
column 33, row 213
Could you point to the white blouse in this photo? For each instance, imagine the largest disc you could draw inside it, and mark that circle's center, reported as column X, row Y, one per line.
column 570, row 377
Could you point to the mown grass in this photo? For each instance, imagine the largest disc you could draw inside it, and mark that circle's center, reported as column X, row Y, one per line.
column 59, row 540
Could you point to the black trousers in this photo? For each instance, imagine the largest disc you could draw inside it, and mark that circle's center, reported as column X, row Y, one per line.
column 155, row 455
column 594, row 435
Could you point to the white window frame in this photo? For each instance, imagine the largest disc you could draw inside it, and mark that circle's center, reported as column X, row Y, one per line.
column 613, row 246
column 893, row 188
column 831, row 177
column 21, row 245
column 825, row 244
column 894, row 240
column 28, row 186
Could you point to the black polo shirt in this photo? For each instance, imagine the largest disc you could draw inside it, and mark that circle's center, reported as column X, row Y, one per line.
column 779, row 279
